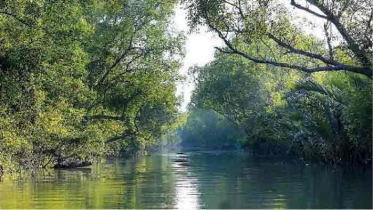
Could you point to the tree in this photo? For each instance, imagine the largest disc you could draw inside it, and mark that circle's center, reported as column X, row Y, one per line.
column 245, row 95
column 347, row 43
column 323, row 117
column 84, row 79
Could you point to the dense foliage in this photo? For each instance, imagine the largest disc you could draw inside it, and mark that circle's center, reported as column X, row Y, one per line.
column 289, row 91
column 208, row 130
column 83, row 79
column 324, row 117
column 347, row 29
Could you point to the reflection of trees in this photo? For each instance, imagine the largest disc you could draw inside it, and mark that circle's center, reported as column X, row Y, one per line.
column 151, row 183
column 229, row 181
column 218, row 181
column 144, row 183
column 46, row 190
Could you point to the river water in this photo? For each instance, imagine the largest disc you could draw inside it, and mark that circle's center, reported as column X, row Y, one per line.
column 193, row 180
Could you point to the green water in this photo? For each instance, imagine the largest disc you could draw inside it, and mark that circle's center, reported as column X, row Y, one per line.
column 193, row 181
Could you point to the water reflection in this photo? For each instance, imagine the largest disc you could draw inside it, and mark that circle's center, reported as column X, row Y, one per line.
column 234, row 181
column 187, row 194
column 192, row 181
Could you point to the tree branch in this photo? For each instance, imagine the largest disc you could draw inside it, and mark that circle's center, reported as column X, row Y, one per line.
column 361, row 70
column 105, row 117
column 117, row 61
column 329, row 40
column 302, row 52
column 332, row 65
column 127, row 133
column 307, row 10
column 351, row 43
column 16, row 17
column 126, row 52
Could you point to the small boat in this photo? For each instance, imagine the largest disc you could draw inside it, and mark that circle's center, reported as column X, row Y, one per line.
column 181, row 161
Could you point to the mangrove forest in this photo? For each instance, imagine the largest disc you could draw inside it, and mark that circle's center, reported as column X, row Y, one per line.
column 88, row 96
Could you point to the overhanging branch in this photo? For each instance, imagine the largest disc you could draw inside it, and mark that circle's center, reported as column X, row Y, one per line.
column 105, row 117
column 332, row 65
column 293, row 3
column 127, row 133
column 360, row 54
column 302, row 52
column 361, row 70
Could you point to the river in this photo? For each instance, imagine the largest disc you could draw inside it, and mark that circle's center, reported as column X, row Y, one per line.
column 193, row 180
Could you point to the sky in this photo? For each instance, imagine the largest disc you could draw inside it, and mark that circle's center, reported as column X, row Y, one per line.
column 199, row 51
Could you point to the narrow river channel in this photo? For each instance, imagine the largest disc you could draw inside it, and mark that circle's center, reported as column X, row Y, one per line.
column 193, row 180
